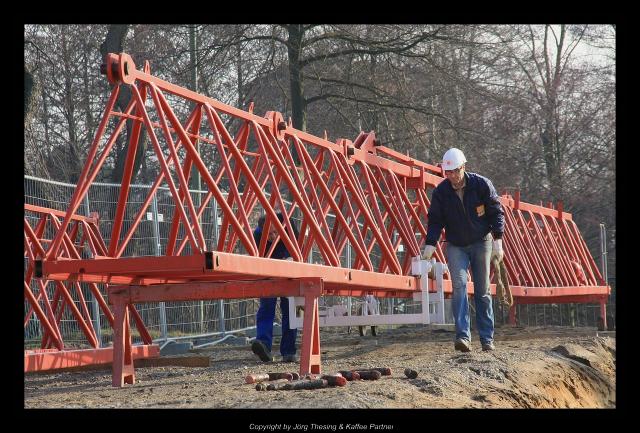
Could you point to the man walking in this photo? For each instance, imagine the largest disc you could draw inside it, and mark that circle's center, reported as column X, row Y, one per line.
column 261, row 346
column 466, row 205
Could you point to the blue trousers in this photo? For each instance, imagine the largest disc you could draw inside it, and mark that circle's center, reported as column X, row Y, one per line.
column 459, row 259
column 264, row 318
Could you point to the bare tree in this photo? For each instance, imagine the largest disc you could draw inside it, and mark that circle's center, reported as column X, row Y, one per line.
column 310, row 47
column 558, row 105
column 57, row 133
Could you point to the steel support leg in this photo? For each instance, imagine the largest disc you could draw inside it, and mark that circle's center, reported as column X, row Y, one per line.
column 310, row 351
column 603, row 315
column 512, row 314
column 123, row 371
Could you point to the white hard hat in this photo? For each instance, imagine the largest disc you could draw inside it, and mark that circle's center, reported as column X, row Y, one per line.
column 453, row 159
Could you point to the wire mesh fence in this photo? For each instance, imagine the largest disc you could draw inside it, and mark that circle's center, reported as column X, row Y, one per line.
column 172, row 320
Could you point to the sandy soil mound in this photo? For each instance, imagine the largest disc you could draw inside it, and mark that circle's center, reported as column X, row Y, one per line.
column 531, row 368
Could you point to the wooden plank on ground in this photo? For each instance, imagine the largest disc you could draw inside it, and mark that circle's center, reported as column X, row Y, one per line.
column 177, row 361
column 163, row 361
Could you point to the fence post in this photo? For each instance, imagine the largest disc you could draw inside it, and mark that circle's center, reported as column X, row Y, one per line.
column 348, row 266
column 156, row 237
column 197, row 207
column 94, row 302
column 216, row 233
column 603, row 252
column 560, row 311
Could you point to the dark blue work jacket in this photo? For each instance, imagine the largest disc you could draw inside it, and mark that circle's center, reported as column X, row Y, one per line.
column 280, row 251
column 465, row 224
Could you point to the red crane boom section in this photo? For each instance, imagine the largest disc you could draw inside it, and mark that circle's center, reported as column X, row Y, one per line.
column 348, row 192
column 353, row 194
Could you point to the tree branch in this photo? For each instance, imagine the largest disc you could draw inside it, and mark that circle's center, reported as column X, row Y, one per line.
column 370, row 51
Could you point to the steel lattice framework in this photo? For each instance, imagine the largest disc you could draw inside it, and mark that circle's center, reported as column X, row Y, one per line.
column 82, row 232
column 356, row 192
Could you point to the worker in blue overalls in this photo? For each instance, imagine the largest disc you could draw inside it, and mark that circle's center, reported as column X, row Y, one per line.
column 261, row 346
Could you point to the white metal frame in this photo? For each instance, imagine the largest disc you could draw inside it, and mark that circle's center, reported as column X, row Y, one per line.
column 432, row 303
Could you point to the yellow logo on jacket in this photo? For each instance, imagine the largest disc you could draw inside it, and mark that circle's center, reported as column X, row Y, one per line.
column 480, row 210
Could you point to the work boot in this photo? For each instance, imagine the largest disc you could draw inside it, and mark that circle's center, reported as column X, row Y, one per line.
column 260, row 349
column 488, row 346
column 289, row 358
column 462, row 345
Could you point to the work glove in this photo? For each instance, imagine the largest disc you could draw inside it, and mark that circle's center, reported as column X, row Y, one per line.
column 428, row 252
column 497, row 252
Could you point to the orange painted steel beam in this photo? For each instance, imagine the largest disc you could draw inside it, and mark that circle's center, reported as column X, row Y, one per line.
column 195, row 291
column 51, row 359
column 121, row 297
column 214, row 266
column 572, row 299
column 45, row 210
column 553, row 292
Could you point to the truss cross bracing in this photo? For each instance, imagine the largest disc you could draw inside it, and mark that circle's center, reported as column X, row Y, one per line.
column 81, row 235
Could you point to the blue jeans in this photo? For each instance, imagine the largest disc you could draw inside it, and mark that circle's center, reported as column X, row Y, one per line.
column 264, row 321
column 459, row 259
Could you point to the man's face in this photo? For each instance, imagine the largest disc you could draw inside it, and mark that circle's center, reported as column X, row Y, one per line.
column 455, row 176
column 272, row 233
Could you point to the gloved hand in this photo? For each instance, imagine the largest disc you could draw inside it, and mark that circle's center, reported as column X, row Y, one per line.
column 497, row 251
column 428, row 252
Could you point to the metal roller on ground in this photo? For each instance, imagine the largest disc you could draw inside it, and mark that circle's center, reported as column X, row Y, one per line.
column 366, row 373
column 350, row 375
column 291, row 381
column 411, row 374
column 300, row 384
column 369, row 374
column 262, row 377
column 384, row 371
column 269, row 386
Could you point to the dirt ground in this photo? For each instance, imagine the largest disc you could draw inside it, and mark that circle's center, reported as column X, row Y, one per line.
column 533, row 367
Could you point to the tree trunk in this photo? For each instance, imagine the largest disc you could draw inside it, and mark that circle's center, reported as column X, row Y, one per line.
column 549, row 142
column 195, row 180
column 240, row 77
column 73, row 156
column 294, row 48
column 549, row 136
column 30, row 94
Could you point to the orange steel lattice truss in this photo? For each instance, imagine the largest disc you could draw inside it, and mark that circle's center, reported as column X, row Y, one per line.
column 53, row 354
column 356, row 192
